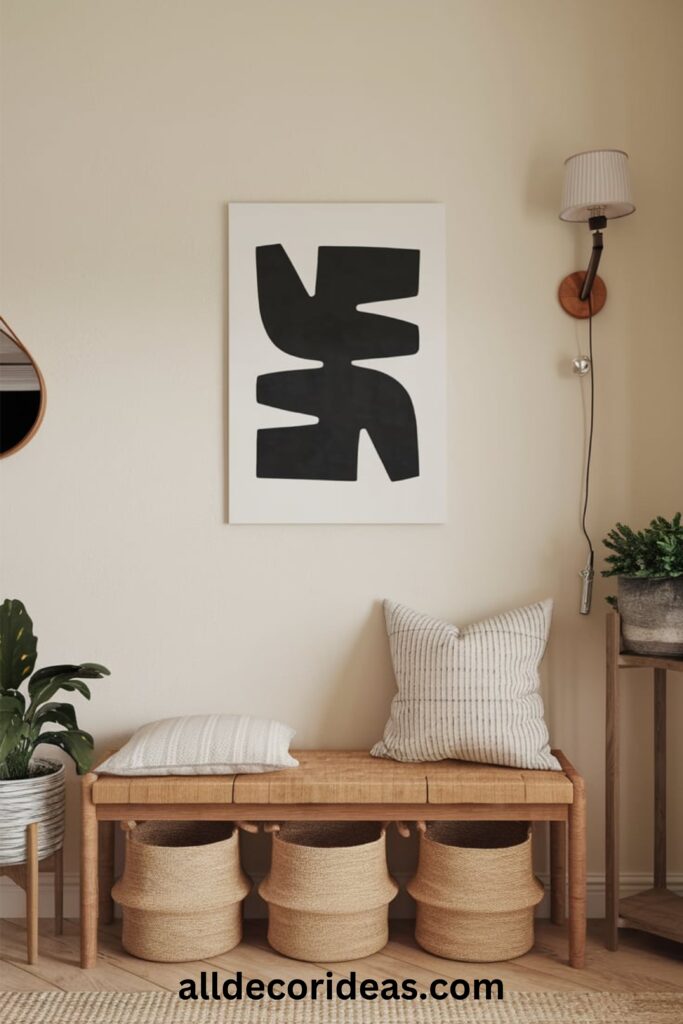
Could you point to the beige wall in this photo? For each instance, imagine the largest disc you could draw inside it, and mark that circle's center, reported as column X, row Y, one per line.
column 127, row 128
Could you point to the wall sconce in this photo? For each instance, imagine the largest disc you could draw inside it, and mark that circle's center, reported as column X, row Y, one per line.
column 596, row 189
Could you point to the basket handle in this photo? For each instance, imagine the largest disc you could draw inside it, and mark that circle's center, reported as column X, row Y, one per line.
column 248, row 826
column 128, row 826
column 404, row 828
column 271, row 826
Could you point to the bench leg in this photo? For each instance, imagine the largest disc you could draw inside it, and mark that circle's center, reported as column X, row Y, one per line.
column 32, row 892
column 58, row 867
column 558, row 872
column 89, row 870
column 577, row 876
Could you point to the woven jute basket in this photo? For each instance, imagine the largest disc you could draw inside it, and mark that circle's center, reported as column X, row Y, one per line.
column 181, row 890
column 328, row 891
column 475, row 890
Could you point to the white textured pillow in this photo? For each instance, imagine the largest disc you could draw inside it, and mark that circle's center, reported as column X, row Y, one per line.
column 204, row 745
column 470, row 694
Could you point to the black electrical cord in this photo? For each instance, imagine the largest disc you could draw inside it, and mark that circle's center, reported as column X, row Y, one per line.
column 589, row 454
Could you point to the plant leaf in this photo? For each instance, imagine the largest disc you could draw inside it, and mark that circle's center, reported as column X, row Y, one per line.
column 47, row 688
column 10, row 706
column 54, row 670
column 48, row 681
column 88, row 670
column 16, row 696
column 60, row 713
column 11, row 734
column 18, row 644
column 11, row 723
column 77, row 744
column 653, row 553
column 91, row 670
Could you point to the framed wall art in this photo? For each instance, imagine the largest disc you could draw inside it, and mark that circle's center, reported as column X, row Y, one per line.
column 337, row 350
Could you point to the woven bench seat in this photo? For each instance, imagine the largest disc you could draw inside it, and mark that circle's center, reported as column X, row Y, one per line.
column 340, row 777
column 342, row 785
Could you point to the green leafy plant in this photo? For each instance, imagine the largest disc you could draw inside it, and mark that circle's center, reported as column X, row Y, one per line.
column 27, row 715
column 655, row 553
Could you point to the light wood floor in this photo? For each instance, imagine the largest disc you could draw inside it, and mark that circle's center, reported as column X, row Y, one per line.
column 642, row 963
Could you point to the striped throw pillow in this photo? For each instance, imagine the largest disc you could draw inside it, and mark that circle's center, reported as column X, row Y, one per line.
column 204, row 745
column 471, row 693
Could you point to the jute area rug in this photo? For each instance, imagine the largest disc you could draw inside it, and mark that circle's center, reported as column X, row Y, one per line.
column 515, row 1008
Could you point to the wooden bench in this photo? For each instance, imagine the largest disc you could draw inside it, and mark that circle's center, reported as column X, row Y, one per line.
column 336, row 786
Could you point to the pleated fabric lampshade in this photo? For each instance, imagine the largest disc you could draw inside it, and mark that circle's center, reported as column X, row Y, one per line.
column 597, row 184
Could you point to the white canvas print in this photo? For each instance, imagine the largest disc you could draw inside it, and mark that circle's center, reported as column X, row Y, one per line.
column 337, row 348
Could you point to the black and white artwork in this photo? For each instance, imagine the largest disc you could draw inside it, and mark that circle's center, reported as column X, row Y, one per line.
column 337, row 363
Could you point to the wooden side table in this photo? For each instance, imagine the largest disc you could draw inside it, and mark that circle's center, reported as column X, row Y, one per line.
column 27, row 876
column 656, row 910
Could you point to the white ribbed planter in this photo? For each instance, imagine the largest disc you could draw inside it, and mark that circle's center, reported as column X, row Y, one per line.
column 23, row 801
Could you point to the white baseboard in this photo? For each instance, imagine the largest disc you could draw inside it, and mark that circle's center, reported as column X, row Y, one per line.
column 12, row 897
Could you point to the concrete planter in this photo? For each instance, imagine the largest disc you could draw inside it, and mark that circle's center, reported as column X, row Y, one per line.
column 39, row 799
column 652, row 616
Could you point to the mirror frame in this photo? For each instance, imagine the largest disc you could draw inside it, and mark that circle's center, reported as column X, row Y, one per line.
column 43, row 393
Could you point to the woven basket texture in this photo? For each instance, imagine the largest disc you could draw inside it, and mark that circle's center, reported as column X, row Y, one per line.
column 181, row 890
column 475, row 890
column 328, row 890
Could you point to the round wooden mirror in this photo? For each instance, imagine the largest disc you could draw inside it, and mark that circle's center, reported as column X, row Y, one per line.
column 22, row 393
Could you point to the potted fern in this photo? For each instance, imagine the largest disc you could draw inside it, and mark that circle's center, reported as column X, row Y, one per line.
column 32, row 789
column 649, row 567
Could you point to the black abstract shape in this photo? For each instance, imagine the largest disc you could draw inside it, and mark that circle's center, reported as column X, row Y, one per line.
column 328, row 328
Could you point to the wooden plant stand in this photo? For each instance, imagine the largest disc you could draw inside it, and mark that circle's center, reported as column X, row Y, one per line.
column 335, row 785
column 27, row 876
column 656, row 910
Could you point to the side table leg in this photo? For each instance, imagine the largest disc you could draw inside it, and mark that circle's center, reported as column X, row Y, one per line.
column 89, row 867
column 32, row 892
column 577, row 875
column 612, row 785
column 558, row 871
column 660, row 778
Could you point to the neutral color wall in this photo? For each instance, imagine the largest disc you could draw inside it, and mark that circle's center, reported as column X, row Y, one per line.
column 127, row 128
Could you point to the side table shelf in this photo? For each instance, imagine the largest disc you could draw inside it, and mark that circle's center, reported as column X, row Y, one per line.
column 656, row 910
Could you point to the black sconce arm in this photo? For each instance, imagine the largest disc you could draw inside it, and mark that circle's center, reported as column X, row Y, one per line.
column 596, row 225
